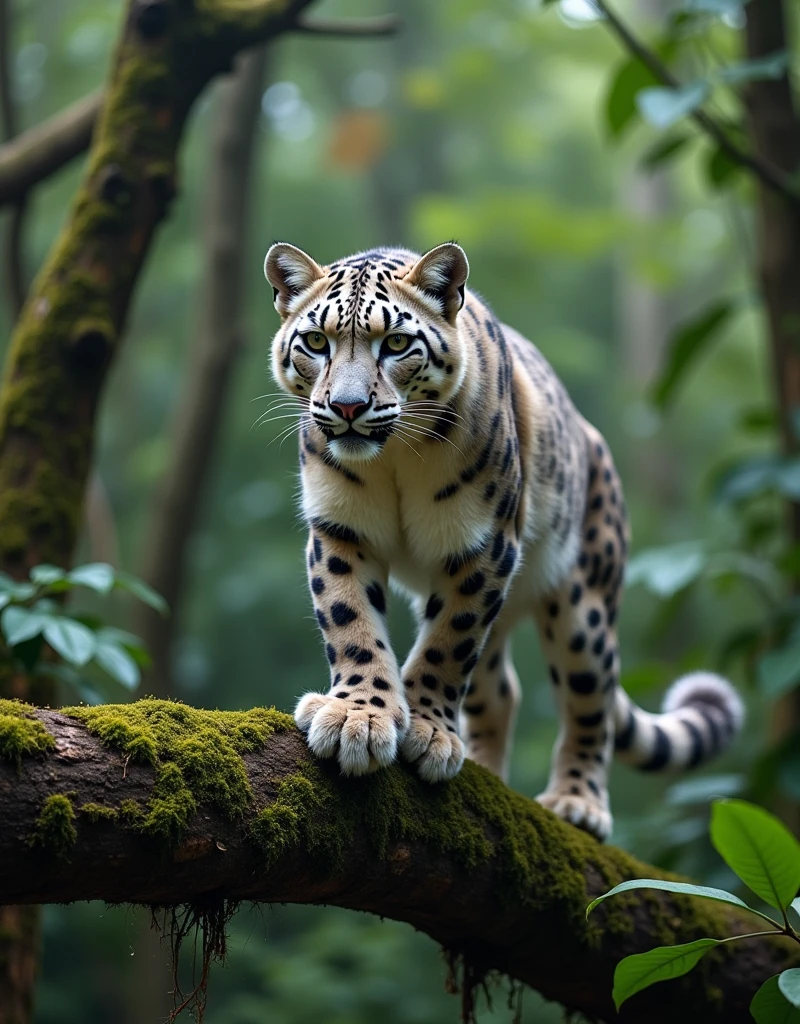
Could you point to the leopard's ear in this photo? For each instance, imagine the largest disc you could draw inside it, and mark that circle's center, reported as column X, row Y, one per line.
column 290, row 271
column 442, row 273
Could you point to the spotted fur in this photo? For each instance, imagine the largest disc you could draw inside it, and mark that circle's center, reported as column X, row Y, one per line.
column 439, row 449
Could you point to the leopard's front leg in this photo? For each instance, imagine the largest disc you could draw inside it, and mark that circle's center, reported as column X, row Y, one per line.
column 365, row 714
column 467, row 596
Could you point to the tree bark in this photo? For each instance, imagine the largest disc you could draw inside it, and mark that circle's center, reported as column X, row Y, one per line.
column 219, row 341
column 506, row 888
column 775, row 135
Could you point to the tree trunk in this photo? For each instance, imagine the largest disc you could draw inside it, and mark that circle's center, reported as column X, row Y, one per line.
column 206, row 808
column 775, row 134
column 218, row 343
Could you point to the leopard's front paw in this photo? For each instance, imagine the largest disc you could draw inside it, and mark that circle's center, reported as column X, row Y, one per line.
column 363, row 738
column 581, row 811
column 436, row 754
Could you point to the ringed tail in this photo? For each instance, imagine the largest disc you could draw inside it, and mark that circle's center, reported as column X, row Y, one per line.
column 701, row 715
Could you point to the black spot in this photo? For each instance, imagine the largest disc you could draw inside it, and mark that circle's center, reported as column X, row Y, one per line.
column 338, row 566
column 437, row 712
column 380, row 644
column 376, row 597
column 576, row 593
column 591, row 534
column 472, row 584
column 577, row 643
column 465, row 648
column 355, row 679
column 322, row 619
column 582, row 682
column 317, row 584
column 503, row 688
column 608, row 661
column 590, row 720
column 574, row 790
column 317, row 548
column 554, row 675
column 378, row 702
column 342, row 694
column 474, row 709
column 342, row 614
column 446, row 492
column 409, row 684
column 489, row 491
column 593, row 786
column 587, row 741
column 492, row 613
column 575, row 773
column 552, row 609
column 494, row 661
column 451, row 693
column 330, row 651
column 469, row 664
column 448, row 713
column 434, row 606
column 429, row 681
column 463, row 621
column 599, row 645
column 426, row 702
column 434, row 656
column 508, row 561
column 491, row 598
column 597, row 502
column 593, row 618
column 380, row 684
column 335, row 530
column 497, row 546
column 360, row 655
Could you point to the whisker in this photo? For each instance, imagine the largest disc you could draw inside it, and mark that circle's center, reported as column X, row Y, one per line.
column 284, row 434
column 400, row 437
column 427, row 432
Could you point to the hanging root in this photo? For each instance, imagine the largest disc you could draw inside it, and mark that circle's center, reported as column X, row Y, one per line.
column 204, row 923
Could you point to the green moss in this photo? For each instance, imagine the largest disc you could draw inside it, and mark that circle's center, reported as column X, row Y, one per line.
column 98, row 812
column 197, row 756
column 21, row 734
column 55, row 827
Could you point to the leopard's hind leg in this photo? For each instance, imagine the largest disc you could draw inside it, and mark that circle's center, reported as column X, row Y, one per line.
column 490, row 707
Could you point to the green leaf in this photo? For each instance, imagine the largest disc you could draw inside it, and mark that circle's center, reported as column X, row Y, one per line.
column 770, row 1007
column 789, row 984
column 143, row 591
column 72, row 640
column 116, row 661
column 759, row 848
column 642, row 970
column 719, row 7
column 686, row 344
column 97, row 576
column 17, row 591
column 20, row 624
column 778, row 671
column 664, row 150
column 680, row 887
column 662, row 107
column 758, row 69
column 667, row 570
column 630, row 77
column 46, row 574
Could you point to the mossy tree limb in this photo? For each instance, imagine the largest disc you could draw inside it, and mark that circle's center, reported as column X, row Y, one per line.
column 174, row 805
column 70, row 327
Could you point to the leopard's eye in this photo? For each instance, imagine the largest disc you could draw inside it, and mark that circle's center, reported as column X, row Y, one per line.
column 396, row 343
column 316, row 341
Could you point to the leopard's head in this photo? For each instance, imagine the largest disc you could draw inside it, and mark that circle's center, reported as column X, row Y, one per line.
column 370, row 343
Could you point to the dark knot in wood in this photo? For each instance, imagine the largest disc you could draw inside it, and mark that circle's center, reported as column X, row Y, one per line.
column 152, row 17
column 115, row 187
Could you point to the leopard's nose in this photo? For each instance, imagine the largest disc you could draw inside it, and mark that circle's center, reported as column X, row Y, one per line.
column 349, row 410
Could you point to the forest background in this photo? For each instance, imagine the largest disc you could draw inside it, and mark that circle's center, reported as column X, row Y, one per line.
column 626, row 252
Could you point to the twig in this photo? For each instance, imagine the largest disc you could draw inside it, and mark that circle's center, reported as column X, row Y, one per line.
column 386, row 25
column 771, row 178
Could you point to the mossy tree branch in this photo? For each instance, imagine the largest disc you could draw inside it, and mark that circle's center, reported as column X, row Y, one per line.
column 159, row 803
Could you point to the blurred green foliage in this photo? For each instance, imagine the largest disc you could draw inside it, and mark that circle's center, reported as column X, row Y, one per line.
column 516, row 130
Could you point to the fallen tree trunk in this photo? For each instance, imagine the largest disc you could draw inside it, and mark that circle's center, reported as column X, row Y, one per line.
column 158, row 803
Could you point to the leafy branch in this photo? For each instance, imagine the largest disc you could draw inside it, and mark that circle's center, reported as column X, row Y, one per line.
column 32, row 615
column 686, row 100
column 766, row 857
